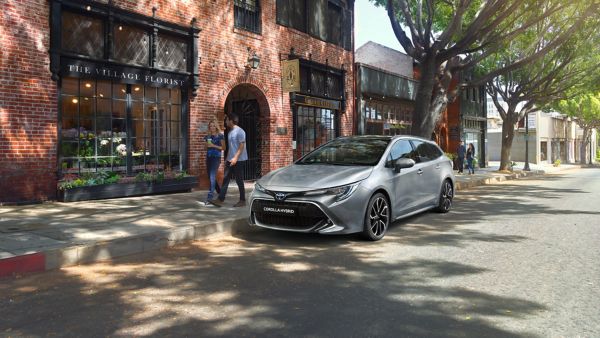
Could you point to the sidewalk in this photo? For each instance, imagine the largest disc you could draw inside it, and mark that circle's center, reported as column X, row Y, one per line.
column 52, row 235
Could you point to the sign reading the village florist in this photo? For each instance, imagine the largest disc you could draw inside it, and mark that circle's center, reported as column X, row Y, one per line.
column 122, row 74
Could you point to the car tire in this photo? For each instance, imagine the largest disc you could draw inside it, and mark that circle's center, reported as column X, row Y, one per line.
column 377, row 217
column 446, row 196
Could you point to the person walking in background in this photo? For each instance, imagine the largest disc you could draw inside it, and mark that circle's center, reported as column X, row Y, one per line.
column 470, row 157
column 215, row 143
column 235, row 160
column 460, row 152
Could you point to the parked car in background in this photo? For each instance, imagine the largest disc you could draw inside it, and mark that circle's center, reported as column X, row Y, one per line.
column 355, row 184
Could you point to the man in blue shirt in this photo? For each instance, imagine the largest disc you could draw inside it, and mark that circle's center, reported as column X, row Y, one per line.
column 234, row 163
column 460, row 152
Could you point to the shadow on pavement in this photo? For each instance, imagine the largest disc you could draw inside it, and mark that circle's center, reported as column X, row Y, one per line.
column 261, row 284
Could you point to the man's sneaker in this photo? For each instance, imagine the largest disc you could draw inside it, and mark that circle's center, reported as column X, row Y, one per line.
column 240, row 204
column 216, row 202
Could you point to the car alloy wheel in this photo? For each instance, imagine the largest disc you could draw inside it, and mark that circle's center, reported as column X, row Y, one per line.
column 377, row 218
column 446, row 195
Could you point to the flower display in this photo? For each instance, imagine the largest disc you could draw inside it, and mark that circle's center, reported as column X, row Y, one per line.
column 121, row 149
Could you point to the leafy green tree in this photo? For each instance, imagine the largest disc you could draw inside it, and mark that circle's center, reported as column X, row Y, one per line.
column 585, row 109
column 563, row 72
column 447, row 37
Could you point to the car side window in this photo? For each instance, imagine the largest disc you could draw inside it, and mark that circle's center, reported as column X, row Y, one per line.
column 435, row 151
column 400, row 149
column 423, row 151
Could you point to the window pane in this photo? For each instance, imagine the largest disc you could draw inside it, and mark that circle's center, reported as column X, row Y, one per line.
column 104, row 108
column 137, row 92
column 118, row 109
column 119, row 91
column 171, row 53
column 247, row 15
column 103, row 89
column 82, row 35
column 176, row 95
column 86, row 108
column 131, row 45
column 334, row 24
column 163, row 95
column 298, row 15
column 70, row 86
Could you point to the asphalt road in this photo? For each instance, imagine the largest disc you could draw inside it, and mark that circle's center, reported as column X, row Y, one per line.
column 519, row 259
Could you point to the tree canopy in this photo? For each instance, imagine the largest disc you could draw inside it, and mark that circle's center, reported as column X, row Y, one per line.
column 446, row 37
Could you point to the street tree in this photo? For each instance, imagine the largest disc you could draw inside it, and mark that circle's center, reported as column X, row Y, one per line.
column 559, row 74
column 585, row 109
column 446, row 37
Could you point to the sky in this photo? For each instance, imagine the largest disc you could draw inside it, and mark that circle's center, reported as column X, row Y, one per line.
column 373, row 24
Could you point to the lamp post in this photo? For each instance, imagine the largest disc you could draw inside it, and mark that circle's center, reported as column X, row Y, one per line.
column 526, row 167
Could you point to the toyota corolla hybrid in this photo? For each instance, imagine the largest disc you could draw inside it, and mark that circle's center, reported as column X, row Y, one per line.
column 355, row 184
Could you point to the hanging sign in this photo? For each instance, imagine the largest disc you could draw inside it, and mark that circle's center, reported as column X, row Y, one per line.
column 290, row 75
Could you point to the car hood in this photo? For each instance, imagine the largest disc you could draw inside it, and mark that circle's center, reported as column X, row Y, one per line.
column 301, row 177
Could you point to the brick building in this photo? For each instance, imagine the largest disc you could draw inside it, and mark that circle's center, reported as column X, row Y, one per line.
column 130, row 86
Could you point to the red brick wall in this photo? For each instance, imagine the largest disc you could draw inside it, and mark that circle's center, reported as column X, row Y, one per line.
column 28, row 98
column 28, row 109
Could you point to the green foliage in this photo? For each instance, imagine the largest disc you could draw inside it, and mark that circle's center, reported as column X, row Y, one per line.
column 150, row 177
column 90, row 179
column 181, row 174
column 144, row 177
column 557, row 163
column 585, row 108
column 451, row 156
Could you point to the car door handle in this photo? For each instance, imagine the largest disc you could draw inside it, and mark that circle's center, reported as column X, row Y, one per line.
column 420, row 171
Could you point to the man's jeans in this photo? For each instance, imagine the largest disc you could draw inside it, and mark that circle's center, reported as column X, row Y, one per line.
column 238, row 171
column 212, row 165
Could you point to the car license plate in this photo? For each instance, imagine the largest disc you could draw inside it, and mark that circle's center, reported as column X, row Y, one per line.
column 280, row 210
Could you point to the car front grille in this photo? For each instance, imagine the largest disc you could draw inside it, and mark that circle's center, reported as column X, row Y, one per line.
column 308, row 215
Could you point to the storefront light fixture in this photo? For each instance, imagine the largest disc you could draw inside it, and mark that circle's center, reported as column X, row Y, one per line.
column 253, row 60
column 88, row 85
column 74, row 101
column 88, row 8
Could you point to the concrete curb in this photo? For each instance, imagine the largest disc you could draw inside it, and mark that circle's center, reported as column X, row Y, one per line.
column 495, row 179
column 111, row 249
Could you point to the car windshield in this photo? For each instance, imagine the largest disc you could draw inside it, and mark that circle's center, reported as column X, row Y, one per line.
column 348, row 151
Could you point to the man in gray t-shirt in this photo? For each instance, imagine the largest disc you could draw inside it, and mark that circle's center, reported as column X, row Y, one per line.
column 236, row 158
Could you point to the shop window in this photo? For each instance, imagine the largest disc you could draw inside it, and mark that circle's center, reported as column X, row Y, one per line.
column 247, row 15
column 171, row 53
column 314, row 127
column 100, row 131
column 82, row 35
column 131, row 45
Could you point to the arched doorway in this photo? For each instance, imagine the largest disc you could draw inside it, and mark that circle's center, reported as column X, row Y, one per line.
column 250, row 104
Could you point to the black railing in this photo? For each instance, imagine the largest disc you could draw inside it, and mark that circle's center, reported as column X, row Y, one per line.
column 247, row 15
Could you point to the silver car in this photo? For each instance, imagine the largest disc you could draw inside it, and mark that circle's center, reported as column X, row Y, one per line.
column 355, row 184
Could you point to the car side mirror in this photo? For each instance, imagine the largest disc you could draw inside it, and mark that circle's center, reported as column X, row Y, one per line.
column 402, row 163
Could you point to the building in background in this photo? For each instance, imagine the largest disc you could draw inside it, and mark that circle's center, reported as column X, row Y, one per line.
column 385, row 90
column 552, row 137
column 386, row 83
column 124, row 87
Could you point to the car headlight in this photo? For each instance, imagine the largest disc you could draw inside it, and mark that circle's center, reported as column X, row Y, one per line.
column 341, row 193
column 259, row 188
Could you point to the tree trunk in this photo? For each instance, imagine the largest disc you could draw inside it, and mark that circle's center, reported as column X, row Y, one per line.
column 508, row 133
column 423, row 119
column 583, row 147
